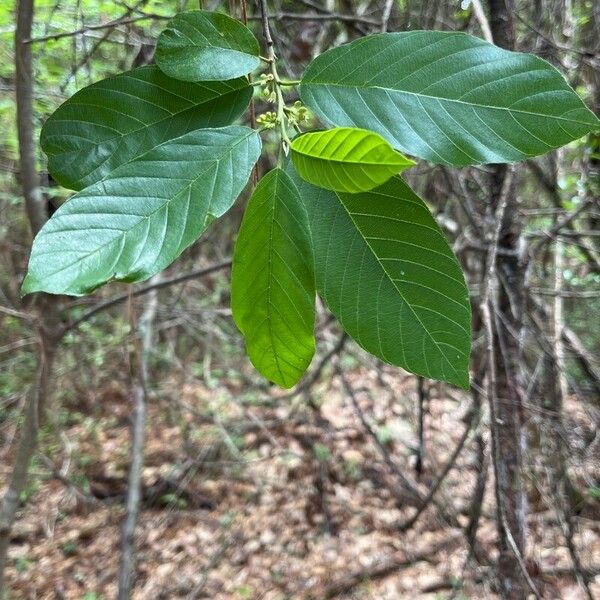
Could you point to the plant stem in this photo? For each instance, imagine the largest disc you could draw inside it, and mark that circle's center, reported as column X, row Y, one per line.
column 271, row 58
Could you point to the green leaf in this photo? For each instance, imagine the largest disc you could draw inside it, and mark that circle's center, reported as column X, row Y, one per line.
column 198, row 45
column 447, row 97
column 272, row 286
column 385, row 270
column 111, row 122
column 139, row 219
column 346, row 159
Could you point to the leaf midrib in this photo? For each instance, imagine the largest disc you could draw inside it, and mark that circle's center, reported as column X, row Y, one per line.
column 199, row 50
column 392, row 281
column 441, row 98
column 121, row 135
column 145, row 218
column 369, row 163
column 269, row 277
column 209, row 43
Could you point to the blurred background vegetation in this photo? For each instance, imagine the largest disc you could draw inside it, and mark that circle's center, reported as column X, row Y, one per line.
column 250, row 493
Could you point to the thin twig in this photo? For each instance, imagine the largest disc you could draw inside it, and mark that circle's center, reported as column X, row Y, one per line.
column 422, row 396
column 387, row 13
column 59, row 476
column 278, row 16
column 16, row 313
column 163, row 283
column 513, row 546
column 482, row 20
column 138, row 365
column 110, row 25
column 396, row 470
column 472, row 419
column 333, row 16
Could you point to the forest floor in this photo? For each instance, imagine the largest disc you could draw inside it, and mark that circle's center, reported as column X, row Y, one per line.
column 274, row 502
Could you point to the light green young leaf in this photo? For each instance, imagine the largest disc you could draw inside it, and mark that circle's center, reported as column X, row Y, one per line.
column 272, row 285
column 109, row 123
column 198, row 45
column 385, row 270
column 345, row 159
column 447, row 97
column 139, row 219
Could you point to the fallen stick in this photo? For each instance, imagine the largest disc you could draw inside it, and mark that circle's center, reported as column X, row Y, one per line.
column 379, row 570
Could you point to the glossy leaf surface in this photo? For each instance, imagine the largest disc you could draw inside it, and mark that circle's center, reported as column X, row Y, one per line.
column 198, row 45
column 272, row 287
column 385, row 270
column 139, row 219
column 346, row 159
column 447, row 97
column 109, row 123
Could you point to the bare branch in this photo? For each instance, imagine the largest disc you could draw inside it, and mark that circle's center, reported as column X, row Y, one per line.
column 163, row 283
column 109, row 25
column 482, row 20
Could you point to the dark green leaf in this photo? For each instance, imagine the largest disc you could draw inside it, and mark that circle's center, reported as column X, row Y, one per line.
column 447, row 97
column 111, row 122
column 198, row 45
column 139, row 219
column 386, row 272
column 346, row 159
column 272, row 286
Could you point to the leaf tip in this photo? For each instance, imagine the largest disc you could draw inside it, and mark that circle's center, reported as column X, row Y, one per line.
column 463, row 380
column 286, row 385
column 30, row 285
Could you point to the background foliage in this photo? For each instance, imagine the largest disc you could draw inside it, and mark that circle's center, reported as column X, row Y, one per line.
column 279, row 488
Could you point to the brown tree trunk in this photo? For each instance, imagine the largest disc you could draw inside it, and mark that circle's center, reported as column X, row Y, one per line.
column 49, row 330
column 507, row 426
